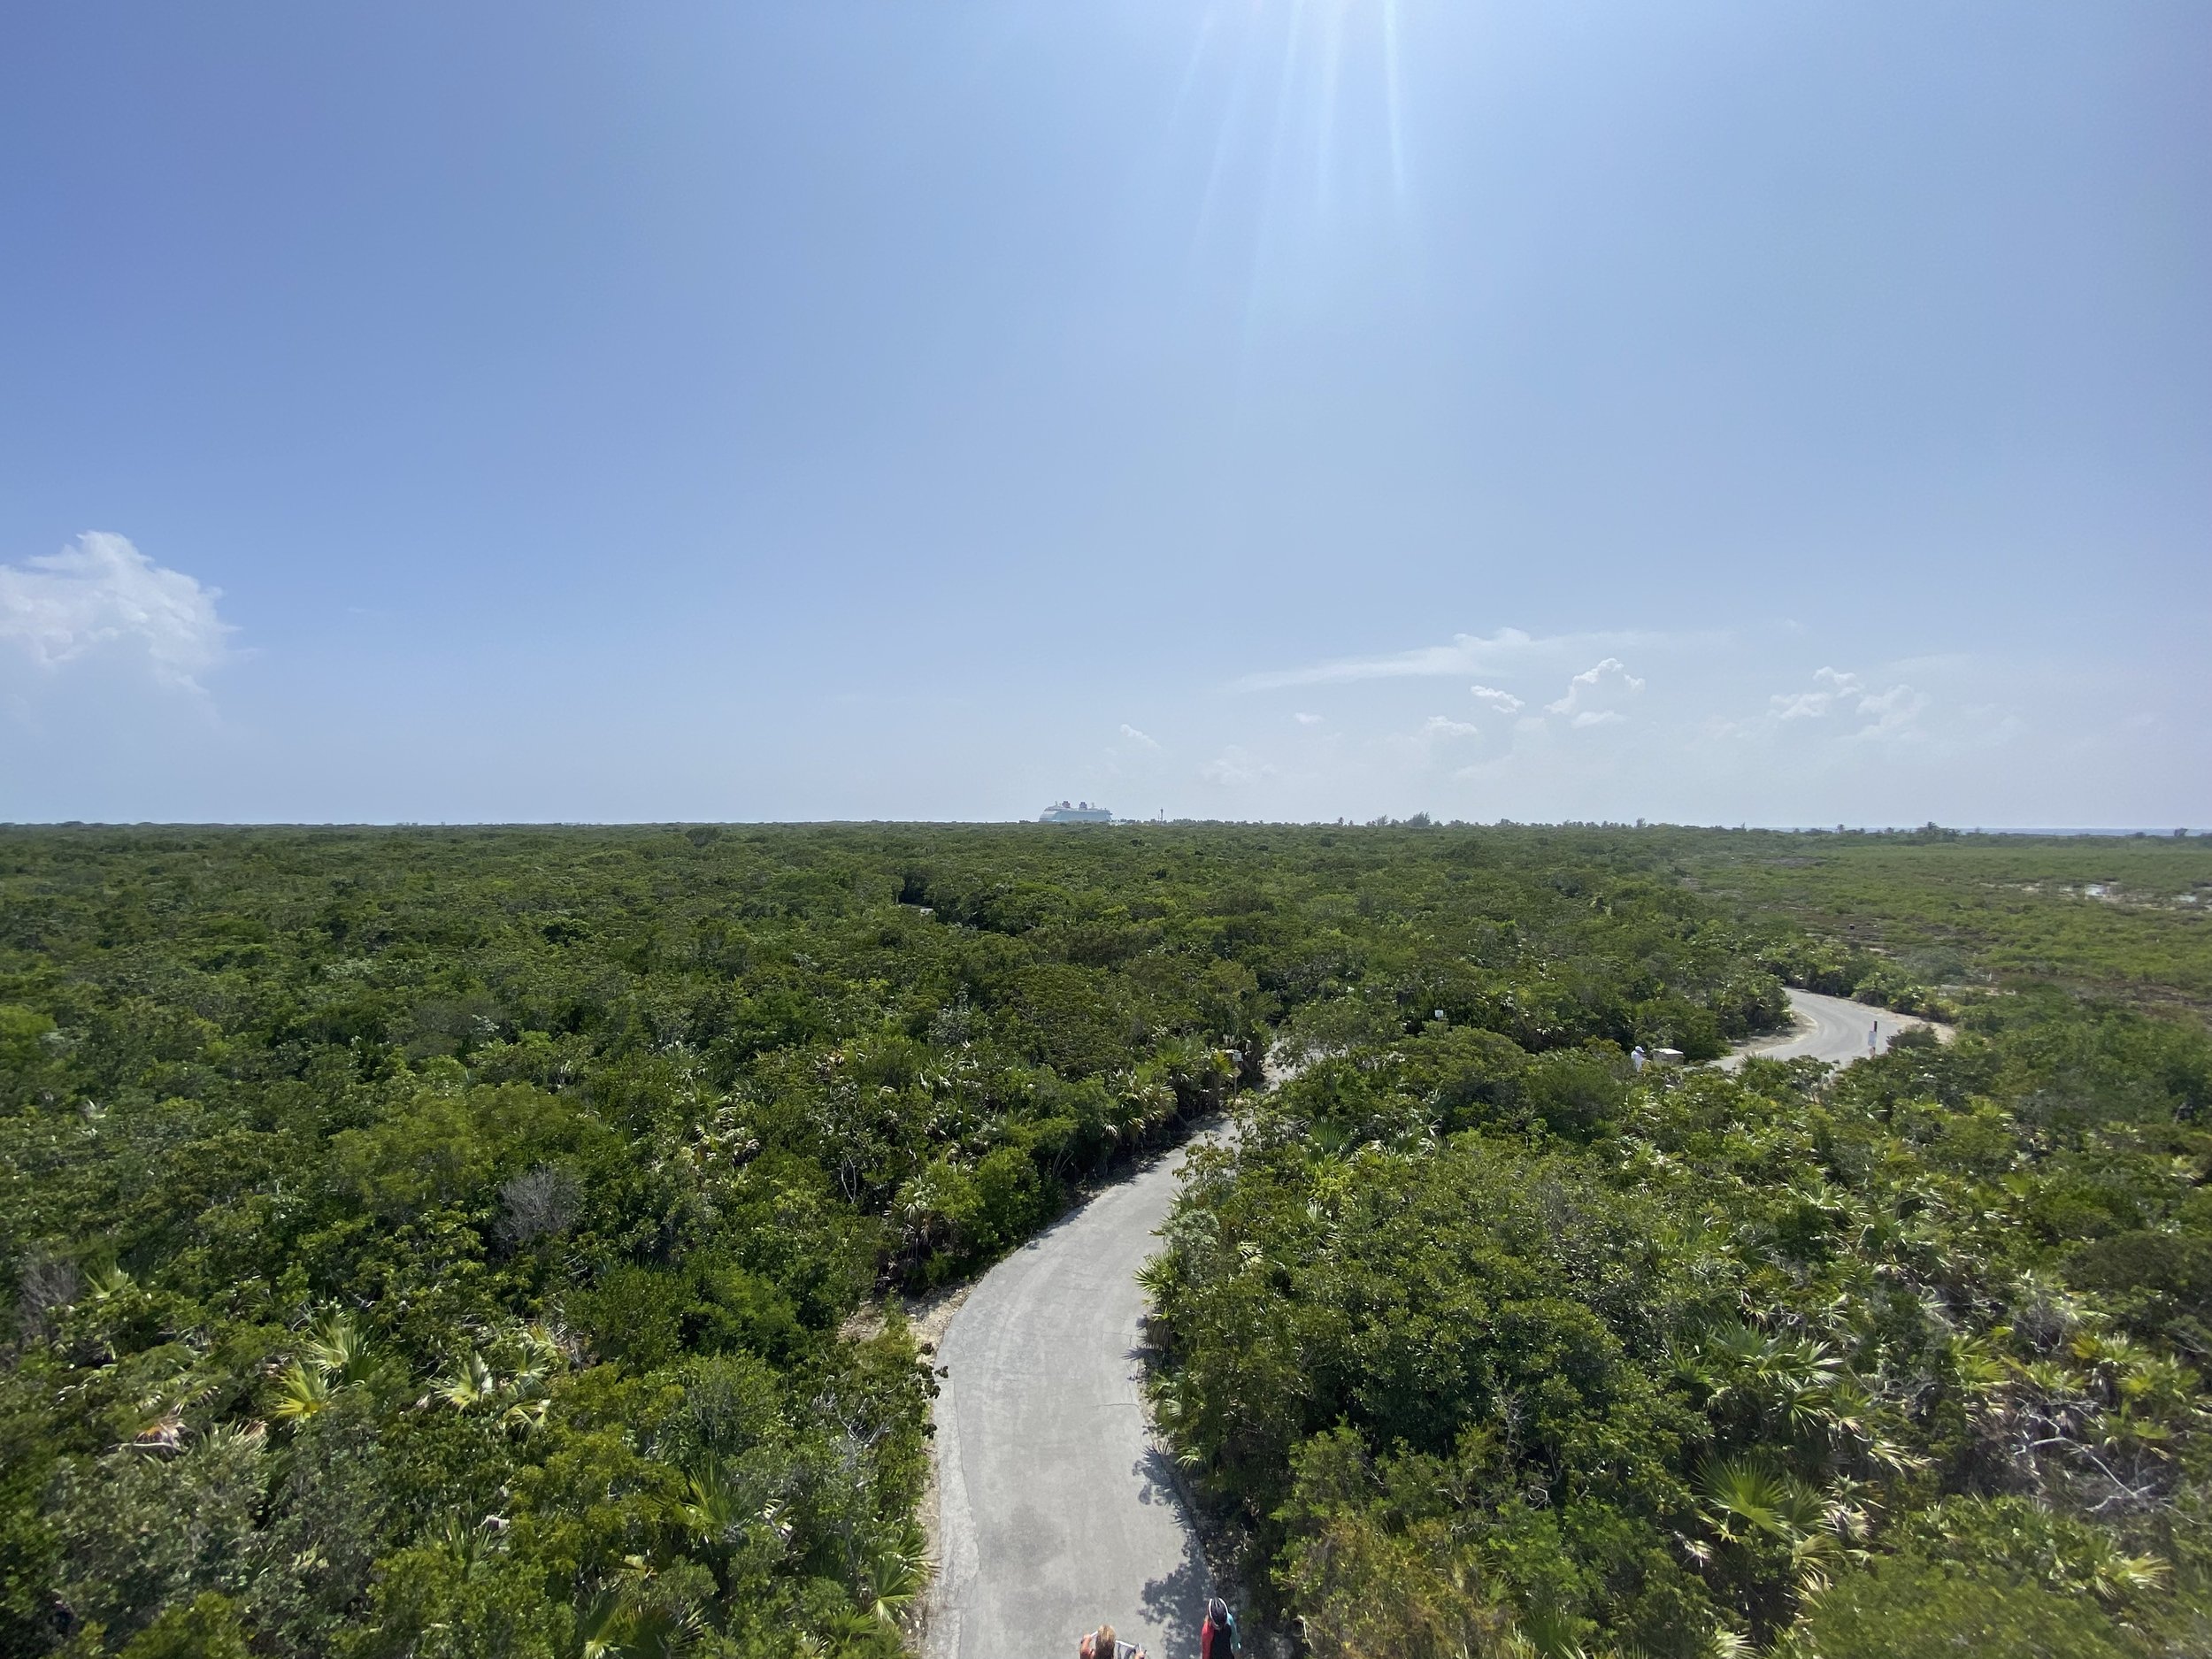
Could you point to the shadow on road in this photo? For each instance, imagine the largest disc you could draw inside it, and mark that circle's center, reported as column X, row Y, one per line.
column 1175, row 1603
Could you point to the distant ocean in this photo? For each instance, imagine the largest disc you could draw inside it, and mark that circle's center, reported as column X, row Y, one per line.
column 2088, row 830
column 2009, row 829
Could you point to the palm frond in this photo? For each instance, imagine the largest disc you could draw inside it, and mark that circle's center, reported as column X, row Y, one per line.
column 301, row 1391
column 339, row 1348
column 1745, row 1492
column 892, row 1574
column 470, row 1384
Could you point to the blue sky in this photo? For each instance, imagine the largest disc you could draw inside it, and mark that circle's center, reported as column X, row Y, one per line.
column 1783, row 413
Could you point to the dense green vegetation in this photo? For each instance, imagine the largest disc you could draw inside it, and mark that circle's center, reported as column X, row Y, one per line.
column 448, row 1242
column 483, row 1242
column 2122, row 916
column 1477, row 1352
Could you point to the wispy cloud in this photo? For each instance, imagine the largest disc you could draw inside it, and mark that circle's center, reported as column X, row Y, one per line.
column 1503, row 702
column 1438, row 725
column 1307, row 719
column 1892, row 714
column 1234, row 767
column 102, row 596
column 1135, row 736
column 1467, row 654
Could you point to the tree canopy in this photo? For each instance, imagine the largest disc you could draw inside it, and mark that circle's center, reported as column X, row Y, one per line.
column 476, row 1242
column 1477, row 1351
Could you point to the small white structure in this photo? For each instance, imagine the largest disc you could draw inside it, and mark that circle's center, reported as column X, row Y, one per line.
column 1080, row 812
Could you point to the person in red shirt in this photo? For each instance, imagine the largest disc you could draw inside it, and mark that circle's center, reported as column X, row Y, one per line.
column 1217, row 1636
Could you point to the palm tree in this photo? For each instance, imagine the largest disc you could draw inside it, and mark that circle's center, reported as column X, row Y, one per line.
column 634, row 1618
column 339, row 1348
column 470, row 1384
column 336, row 1353
column 714, row 1510
column 301, row 1390
column 1749, row 1496
column 467, row 1542
column 892, row 1572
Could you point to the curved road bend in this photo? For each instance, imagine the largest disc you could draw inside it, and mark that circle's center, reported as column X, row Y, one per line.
column 1831, row 1028
column 1056, row 1508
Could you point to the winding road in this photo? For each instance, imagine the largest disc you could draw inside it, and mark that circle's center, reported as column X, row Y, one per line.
column 1056, row 1508
column 1831, row 1028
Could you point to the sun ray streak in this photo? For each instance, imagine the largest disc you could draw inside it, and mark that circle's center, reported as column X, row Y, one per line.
column 1390, row 100
column 1270, row 187
column 1324, row 154
column 1190, row 73
column 1225, row 142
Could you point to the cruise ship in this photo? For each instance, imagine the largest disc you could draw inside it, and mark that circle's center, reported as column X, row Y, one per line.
column 1080, row 812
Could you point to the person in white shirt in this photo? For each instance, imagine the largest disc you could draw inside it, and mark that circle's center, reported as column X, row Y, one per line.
column 1103, row 1644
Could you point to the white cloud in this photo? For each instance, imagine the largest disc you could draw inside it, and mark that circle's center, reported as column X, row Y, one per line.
column 103, row 596
column 1466, row 651
column 1234, row 767
column 1813, row 705
column 1886, row 714
column 1896, row 713
column 1135, row 736
column 1307, row 719
column 1503, row 702
column 1467, row 654
column 1594, row 695
column 1438, row 726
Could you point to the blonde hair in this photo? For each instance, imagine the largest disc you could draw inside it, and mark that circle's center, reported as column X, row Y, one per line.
column 1103, row 1645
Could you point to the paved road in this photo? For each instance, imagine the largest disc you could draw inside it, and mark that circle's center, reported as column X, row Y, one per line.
column 1831, row 1028
column 1056, row 1508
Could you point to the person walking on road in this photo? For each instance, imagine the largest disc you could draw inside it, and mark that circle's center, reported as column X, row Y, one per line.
column 1217, row 1636
column 1103, row 1644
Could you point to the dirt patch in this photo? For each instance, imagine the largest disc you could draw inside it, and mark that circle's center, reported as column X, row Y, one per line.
column 927, row 1318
